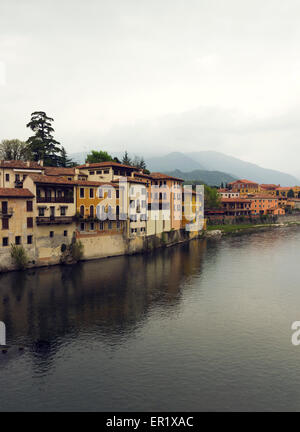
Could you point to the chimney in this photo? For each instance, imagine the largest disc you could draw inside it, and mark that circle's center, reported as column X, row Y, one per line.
column 41, row 162
column 28, row 163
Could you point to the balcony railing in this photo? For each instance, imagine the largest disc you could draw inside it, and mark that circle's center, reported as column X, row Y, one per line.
column 53, row 220
column 6, row 214
column 45, row 199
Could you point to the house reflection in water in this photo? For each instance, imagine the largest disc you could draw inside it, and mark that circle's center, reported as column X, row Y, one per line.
column 111, row 298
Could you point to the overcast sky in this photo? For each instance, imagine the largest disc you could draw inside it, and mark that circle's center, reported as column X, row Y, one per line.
column 223, row 74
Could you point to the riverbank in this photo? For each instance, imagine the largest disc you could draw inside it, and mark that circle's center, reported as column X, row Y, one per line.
column 221, row 230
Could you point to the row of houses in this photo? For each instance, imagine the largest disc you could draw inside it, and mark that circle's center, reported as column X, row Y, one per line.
column 248, row 198
column 100, row 204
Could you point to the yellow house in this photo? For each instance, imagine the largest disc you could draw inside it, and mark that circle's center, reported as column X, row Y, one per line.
column 14, row 172
column 17, row 222
column 244, row 187
column 98, row 209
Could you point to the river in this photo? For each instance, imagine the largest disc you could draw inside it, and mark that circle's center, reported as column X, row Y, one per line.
column 200, row 326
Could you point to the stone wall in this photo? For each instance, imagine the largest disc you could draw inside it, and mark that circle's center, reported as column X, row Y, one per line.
column 289, row 218
column 47, row 251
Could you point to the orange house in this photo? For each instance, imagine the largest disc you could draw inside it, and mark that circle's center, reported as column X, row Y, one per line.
column 265, row 204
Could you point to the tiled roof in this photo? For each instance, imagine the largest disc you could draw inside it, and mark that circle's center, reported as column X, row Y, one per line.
column 258, row 196
column 15, row 193
column 50, row 179
column 158, row 175
column 20, row 164
column 61, row 181
column 237, row 200
column 107, row 164
column 269, row 186
column 287, row 188
column 243, row 181
column 59, row 171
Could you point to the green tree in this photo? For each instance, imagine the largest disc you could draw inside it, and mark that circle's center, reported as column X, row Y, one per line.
column 212, row 199
column 126, row 159
column 42, row 145
column 291, row 194
column 65, row 160
column 14, row 149
column 98, row 156
column 140, row 163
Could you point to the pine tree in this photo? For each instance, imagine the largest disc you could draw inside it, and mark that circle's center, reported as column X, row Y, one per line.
column 126, row 159
column 42, row 145
column 65, row 160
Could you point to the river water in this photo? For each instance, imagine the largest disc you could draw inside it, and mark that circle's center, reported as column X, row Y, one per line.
column 199, row 326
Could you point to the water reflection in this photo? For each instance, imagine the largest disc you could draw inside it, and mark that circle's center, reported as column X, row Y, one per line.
column 43, row 307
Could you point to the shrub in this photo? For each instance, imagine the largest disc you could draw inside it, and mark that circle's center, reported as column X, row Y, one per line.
column 76, row 250
column 19, row 256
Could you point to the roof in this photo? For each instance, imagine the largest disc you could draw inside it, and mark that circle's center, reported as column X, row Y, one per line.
column 244, row 200
column 15, row 193
column 243, row 181
column 38, row 178
column 20, row 164
column 107, row 164
column 286, row 188
column 61, row 181
column 269, row 186
column 59, row 171
column 158, row 175
column 259, row 196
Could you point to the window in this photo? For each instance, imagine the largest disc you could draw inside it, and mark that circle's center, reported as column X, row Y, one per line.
column 82, row 226
column 5, row 223
column 63, row 211
column 65, row 233
column 109, row 193
column 29, row 207
column 91, row 193
column 91, row 211
column 109, row 225
column 18, row 240
column 82, row 211
column 118, row 224
column 117, row 193
column 92, row 172
column 81, row 192
column 51, row 234
column 29, row 222
column 92, row 226
column 41, row 211
column 7, row 177
column 101, row 226
column 29, row 239
column 99, row 172
column 5, row 241
column 17, row 177
column 106, row 171
column 4, row 207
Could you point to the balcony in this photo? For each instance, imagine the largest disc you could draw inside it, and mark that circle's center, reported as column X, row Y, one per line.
column 54, row 220
column 18, row 184
column 6, row 214
column 45, row 199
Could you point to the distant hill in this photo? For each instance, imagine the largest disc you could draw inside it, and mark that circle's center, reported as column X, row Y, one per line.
column 175, row 160
column 219, row 161
column 211, row 178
